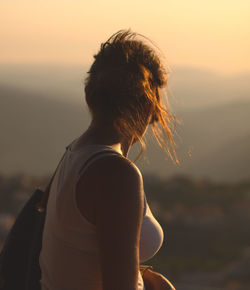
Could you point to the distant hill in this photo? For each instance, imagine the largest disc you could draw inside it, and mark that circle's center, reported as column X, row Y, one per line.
column 230, row 160
column 196, row 88
column 188, row 87
column 213, row 142
column 36, row 128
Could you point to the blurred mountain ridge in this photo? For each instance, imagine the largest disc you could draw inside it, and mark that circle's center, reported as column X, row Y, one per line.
column 38, row 121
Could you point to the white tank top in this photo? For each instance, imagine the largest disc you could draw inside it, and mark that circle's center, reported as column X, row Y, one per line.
column 69, row 258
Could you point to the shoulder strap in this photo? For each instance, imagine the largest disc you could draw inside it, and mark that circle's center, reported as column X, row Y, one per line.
column 94, row 157
column 41, row 206
column 97, row 156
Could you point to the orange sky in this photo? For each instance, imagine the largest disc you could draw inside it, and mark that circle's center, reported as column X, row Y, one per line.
column 211, row 34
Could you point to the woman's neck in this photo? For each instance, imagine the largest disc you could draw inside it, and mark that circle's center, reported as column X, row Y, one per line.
column 105, row 134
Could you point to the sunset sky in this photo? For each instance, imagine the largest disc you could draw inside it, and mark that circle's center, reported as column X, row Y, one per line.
column 211, row 34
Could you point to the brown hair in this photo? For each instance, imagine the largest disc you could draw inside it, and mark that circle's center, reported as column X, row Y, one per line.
column 124, row 84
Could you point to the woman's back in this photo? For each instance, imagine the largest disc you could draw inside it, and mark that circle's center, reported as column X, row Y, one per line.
column 70, row 255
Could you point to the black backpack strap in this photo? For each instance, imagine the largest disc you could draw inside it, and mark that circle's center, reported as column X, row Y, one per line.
column 41, row 205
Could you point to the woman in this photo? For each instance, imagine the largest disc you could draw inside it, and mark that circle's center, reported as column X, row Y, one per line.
column 99, row 227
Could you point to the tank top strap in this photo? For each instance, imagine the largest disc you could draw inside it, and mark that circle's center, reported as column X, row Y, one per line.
column 97, row 155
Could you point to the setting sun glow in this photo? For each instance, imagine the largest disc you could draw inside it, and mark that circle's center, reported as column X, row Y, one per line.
column 210, row 34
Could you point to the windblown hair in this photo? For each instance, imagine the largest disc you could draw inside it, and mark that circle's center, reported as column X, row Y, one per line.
column 124, row 85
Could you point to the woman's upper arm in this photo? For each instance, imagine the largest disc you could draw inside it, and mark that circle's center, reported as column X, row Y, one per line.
column 118, row 210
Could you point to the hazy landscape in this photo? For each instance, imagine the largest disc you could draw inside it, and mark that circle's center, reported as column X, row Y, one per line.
column 203, row 206
column 43, row 110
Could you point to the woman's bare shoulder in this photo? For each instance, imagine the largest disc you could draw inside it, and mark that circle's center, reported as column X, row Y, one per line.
column 111, row 174
column 113, row 181
column 111, row 166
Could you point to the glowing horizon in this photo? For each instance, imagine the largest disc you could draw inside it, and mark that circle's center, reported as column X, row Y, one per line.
column 212, row 35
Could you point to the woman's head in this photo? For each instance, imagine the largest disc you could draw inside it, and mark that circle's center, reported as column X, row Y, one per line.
column 123, row 86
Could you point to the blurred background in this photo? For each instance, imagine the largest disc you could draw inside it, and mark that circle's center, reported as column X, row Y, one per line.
column 204, row 204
